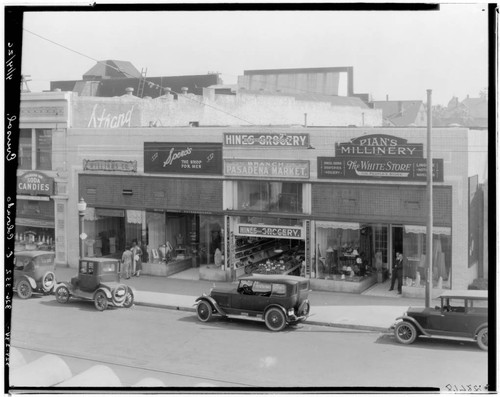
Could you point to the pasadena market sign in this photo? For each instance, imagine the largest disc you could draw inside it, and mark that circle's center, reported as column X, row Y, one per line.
column 285, row 169
column 378, row 156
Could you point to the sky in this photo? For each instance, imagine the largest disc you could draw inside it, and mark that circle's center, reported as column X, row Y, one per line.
column 399, row 54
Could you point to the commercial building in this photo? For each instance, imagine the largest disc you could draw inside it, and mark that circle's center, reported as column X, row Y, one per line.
column 275, row 199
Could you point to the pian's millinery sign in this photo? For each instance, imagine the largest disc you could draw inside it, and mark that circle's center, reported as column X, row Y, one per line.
column 379, row 156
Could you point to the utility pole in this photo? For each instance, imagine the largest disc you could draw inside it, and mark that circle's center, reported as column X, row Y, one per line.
column 428, row 256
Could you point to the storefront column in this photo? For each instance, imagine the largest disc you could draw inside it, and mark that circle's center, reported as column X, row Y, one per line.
column 61, row 204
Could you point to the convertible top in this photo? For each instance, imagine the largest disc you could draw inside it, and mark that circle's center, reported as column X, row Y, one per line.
column 465, row 294
column 275, row 278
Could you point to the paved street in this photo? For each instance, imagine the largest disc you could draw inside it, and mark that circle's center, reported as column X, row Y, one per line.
column 175, row 348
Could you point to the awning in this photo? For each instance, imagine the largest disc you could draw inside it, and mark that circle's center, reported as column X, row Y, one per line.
column 423, row 229
column 338, row 225
column 42, row 223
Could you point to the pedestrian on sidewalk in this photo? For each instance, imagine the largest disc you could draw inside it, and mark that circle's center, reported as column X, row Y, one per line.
column 126, row 262
column 136, row 258
column 397, row 273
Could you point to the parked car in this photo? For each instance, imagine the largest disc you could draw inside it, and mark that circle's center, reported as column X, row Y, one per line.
column 34, row 272
column 462, row 315
column 275, row 299
column 98, row 280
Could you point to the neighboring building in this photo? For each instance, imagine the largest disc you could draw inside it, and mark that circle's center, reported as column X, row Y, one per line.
column 471, row 112
column 402, row 113
column 331, row 81
column 111, row 78
column 253, row 193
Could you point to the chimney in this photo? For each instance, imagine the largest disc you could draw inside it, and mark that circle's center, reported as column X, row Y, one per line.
column 184, row 90
column 129, row 91
column 387, row 97
column 400, row 107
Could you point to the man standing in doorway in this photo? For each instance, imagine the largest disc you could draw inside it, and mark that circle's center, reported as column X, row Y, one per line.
column 397, row 273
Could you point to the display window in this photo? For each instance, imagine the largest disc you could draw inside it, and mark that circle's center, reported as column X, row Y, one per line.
column 414, row 251
column 31, row 238
column 265, row 248
column 344, row 251
column 269, row 196
column 106, row 235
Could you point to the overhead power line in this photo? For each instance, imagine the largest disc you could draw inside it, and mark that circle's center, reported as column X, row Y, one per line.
column 150, row 83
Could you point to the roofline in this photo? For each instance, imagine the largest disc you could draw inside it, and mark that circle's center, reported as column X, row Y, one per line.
column 299, row 70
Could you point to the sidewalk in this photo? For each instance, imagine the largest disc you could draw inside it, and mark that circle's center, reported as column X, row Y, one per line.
column 327, row 308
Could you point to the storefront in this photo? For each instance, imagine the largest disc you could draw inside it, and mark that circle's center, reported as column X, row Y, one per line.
column 267, row 201
column 361, row 226
column 177, row 220
column 35, row 225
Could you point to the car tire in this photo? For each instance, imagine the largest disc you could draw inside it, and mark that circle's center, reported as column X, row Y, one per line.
column 482, row 338
column 204, row 311
column 405, row 332
column 62, row 294
column 275, row 319
column 100, row 301
column 24, row 290
column 129, row 299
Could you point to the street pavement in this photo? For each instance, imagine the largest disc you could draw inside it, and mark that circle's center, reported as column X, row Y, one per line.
column 337, row 309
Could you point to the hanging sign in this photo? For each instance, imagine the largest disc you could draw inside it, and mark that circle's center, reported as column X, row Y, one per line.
column 183, row 158
column 35, row 183
column 379, row 156
column 288, row 232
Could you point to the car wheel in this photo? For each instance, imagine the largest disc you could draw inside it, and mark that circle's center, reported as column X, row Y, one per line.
column 62, row 294
column 204, row 311
column 275, row 319
column 129, row 299
column 24, row 290
column 405, row 332
column 482, row 338
column 101, row 301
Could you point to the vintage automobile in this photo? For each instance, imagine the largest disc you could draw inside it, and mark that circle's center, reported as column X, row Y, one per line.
column 98, row 280
column 463, row 315
column 34, row 272
column 275, row 299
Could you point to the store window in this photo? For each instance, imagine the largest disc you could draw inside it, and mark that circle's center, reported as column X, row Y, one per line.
column 414, row 250
column 25, row 146
column 269, row 196
column 43, row 149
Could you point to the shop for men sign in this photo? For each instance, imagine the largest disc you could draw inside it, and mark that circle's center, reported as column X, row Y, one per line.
column 381, row 157
column 183, row 158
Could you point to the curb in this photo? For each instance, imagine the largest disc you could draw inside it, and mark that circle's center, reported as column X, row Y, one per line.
column 320, row 323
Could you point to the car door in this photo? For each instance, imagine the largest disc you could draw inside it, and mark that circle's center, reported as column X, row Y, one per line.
column 87, row 277
column 260, row 298
column 452, row 320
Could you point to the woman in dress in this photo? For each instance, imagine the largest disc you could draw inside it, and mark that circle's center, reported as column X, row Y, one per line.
column 136, row 259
